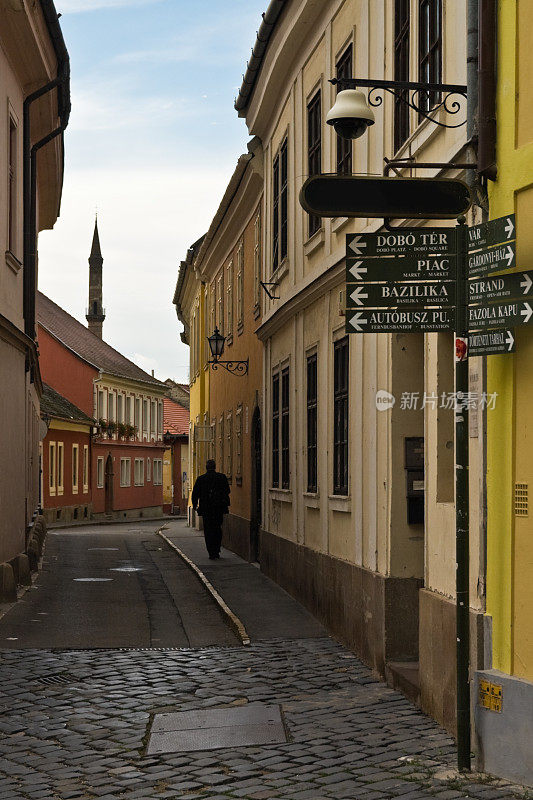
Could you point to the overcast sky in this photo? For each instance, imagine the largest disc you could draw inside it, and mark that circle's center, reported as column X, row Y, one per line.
column 152, row 142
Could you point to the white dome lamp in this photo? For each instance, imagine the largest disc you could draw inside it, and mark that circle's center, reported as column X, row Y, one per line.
column 350, row 115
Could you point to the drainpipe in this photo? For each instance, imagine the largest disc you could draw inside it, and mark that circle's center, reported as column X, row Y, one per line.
column 487, row 89
column 472, row 60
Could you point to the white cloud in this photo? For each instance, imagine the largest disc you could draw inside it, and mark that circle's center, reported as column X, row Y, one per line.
column 80, row 6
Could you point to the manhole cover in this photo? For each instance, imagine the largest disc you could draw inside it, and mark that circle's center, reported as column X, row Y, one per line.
column 92, row 580
column 126, row 569
column 210, row 729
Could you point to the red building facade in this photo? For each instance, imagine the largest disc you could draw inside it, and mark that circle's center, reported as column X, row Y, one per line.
column 126, row 404
column 176, row 459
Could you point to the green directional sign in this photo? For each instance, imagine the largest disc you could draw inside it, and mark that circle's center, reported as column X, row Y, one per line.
column 399, row 294
column 489, row 343
column 496, row 231
column 401, row 268
column 501, row 287
column 498, row 315
column 390, row 243
column 494, row 259
column 376, row 320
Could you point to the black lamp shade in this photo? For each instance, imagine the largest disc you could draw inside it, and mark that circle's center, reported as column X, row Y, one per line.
column 216, row 343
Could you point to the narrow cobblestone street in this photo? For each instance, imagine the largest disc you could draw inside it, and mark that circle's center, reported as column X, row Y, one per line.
column 76, row 723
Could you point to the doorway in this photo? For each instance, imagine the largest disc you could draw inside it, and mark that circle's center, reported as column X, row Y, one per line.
column 108, row 483
column 256, row 486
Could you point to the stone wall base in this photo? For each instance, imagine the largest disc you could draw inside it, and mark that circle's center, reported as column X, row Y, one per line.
column 438, row 674
column 374, row 615
column 237, row 536
column 129, row 513
column 68, row 515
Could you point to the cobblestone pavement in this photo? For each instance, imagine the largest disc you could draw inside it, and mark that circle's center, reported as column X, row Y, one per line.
column 74, row 724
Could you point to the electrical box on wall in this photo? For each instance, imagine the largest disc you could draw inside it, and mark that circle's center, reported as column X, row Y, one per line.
column 415, row 479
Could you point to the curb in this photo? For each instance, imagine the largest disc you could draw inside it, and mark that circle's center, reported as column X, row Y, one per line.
column 233, row 619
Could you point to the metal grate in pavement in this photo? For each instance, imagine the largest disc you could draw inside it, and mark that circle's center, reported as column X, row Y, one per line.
column 57, row 679
column 211, row 729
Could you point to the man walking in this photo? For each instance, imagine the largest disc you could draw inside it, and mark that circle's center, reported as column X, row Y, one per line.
column 210, row 498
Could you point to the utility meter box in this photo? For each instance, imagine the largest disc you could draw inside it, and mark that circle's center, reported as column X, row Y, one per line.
column 415, row 479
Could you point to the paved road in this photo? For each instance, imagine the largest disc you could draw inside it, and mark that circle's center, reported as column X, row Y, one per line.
column 77, row 724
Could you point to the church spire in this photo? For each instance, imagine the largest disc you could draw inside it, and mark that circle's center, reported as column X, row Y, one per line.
column 95, row 313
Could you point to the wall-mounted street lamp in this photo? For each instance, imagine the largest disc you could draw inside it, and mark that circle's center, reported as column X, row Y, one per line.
column 216, row 345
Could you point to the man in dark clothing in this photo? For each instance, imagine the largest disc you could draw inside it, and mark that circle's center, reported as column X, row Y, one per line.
column 210, row 498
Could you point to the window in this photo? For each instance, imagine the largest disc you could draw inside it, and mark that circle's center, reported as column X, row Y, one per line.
column 125, row 471
column 111, row 407
column 148, row 470
column 314, row 149
column 145, row 416
column 158, row 472
column 160, row 419
column 100, row 472
column 340, row 416
column 238, row 444
column 75, row 466
column 138, row 420
column 12, row 189
column 275, row 430
column 257, row 261
column 285, row 432
column 429, row 49
column 229, row 303
column 229, row 445
column 101, row 406
column 280, row 207
column 60, row 468
column 312, row 420
column 85, row 469
column 401, row 69
column 120, row 408
column 221, row 442
column 129, row 420
column 240, row 287
column 153, row 417
column 139, row 472
column 344, row 69
column 220, row 302
column 52, row 467
column 212, row 309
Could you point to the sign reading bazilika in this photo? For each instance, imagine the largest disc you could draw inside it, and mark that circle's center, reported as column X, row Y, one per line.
column 501, row 287
column 496, row 231
column 498, row 315
column 426, row 241
column 400, row 294
column 402, row 268
column 375, row 320
column 489, row 343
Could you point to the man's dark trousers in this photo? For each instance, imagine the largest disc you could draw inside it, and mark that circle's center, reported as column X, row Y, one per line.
column 213, row 532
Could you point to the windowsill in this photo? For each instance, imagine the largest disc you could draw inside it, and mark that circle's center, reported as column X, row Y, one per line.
column 60, row 492
column 13, row 262
column 315, row 241
column 338, row 223
column 280, row 271
column 283, row 495
column 240, row 328
column 52, row 492
column 257, row 310
column 74, row 491
column 311, row 499
column 340, row 502
column 229, row 339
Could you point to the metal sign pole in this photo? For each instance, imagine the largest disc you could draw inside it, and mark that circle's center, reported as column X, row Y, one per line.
column 462, row 502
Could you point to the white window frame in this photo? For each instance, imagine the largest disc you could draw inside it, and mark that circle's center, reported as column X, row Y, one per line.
column 148, row 470
column 125, row 471
column 85, row 468
column 158, row 472
column 100, row 472
column 139, row 472
column 75, row 468
column 60, row 468
column 52, row 467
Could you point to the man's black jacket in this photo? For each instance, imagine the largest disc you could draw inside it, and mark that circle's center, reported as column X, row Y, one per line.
column 211, row 494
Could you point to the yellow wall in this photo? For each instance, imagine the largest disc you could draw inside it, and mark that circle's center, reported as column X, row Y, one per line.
column 199, row 395
column 509, row 430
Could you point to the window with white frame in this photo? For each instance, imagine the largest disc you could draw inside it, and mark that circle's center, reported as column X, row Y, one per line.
column 100, row 472
column 139, row 472
column 52, row 467
column 160, row 419
column 229, row 444
column 85, row 468
column 153, row 417
column 129, row 420
column 220, row 302
column 148, row 470
column 120, row 408
column 257, row 261
column 60, row 468
column 145, row 416
column 125, row 471
column 158, row 472
column 111, row 407
column 101, row 406
column 229, row 299
column 138, row 416
column 240, row 287
column 75, row 468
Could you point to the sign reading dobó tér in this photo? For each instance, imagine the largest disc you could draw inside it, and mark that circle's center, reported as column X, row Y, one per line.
column 366, row 196
column 423, row 242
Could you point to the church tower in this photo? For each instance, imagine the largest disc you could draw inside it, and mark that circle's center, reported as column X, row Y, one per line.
column 95, row 312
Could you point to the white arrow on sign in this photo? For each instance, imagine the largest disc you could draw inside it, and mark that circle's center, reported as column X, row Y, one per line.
column 510, row 340
column 356, row 245
column 527, row 311
column 509, row 228
column 358, row 296
column 357, row 320
column 509, row 255
column 358, row 271
column 527, row 283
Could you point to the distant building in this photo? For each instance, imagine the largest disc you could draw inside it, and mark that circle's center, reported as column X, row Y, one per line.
column 32, row 55
column 176, row 457
column 125, row 401
column 180, row 392
column 66, row 462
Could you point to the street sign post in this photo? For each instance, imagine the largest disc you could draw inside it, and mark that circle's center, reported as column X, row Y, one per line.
column 368, row 196
column 399, row 294
column 378, row 320
column 426, row 241
column 501, row 287
column 493, row 259
column 400, row 268
column 491, row 343
column 498, row 315
column 496, row 231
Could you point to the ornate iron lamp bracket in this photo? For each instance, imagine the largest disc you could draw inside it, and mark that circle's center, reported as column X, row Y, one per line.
column 235, row 367
column 424, row 98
